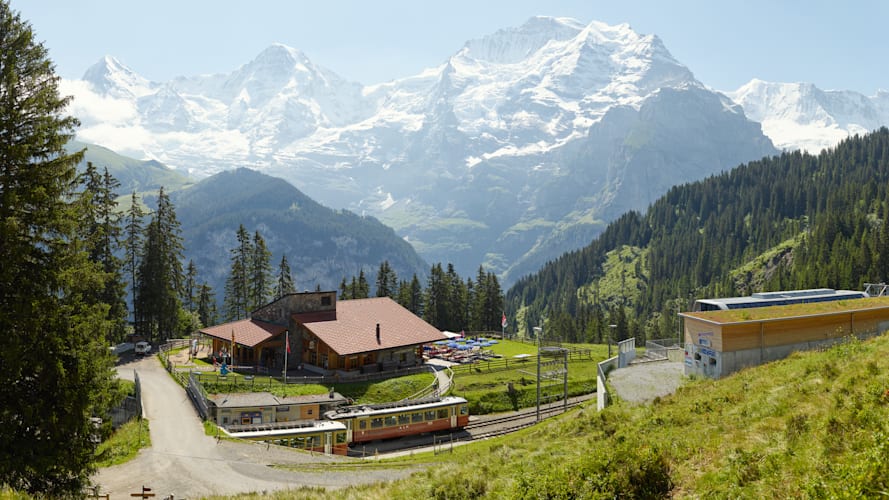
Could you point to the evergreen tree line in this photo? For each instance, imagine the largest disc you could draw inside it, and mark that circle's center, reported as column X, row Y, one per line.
column 447, row 302
column 250, row 283
column 792, row 221
column 168, row 300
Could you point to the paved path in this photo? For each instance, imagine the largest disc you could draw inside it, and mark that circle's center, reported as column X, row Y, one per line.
column 185, row 462
column 642, row 382
column 441, row 374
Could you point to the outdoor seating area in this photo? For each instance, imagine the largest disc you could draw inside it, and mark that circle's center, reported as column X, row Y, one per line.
column 461, row 350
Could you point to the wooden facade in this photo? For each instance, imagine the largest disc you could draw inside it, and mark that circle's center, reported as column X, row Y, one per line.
column 715, row 346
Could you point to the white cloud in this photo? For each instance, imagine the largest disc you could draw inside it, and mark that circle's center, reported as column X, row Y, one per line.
column 91, row 108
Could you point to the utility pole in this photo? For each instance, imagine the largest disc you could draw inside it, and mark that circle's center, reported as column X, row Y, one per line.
column 537, row 333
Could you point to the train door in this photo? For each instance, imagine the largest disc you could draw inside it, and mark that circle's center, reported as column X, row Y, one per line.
column 328, row 443
column 453, row 417
column 348, row 422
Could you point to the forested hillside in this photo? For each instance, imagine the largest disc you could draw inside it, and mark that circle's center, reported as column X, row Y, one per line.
column 322, row 245
column 784, row 222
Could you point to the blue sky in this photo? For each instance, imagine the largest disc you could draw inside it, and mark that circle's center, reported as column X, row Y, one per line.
column 835, row 45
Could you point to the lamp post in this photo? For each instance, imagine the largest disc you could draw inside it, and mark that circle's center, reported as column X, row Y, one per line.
column 610, row 334
column 538, row 331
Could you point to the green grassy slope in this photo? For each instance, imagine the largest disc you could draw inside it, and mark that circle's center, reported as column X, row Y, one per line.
column 815, row 425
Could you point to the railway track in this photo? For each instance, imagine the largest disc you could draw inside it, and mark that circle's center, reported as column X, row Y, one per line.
column 482, row 427
column 504, row 424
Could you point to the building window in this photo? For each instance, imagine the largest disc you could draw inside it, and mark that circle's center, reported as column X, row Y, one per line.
column 325, row 300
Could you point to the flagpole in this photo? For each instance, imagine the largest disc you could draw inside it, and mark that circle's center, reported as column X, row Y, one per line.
column 233, row 348
column 286, row 350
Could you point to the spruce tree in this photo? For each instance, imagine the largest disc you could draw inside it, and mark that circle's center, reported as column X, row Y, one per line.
column 259, row 284
column 206, row 305
column 387, row 281
column 133, row 233
column 190, row 289
column 56, row 371
column 102, row 225
column 237, row 291
column 160, row 277
column 285, row 282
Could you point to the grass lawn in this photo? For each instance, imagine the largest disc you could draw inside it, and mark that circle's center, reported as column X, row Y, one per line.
column 379, row 391
column 486, row 384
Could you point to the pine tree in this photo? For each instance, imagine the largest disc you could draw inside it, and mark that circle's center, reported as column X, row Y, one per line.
column 190, row 289
column 56, row 372
column 236, row 286
column 206, row 305
column 160, row 277
column 133, row 233
column 387, row 281
column 362, row 287
column 102, row 225
column 259, row 285
column 285, row 283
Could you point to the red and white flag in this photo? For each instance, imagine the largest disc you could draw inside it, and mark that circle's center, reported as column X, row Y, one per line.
column 287, row 340
column 503, row 321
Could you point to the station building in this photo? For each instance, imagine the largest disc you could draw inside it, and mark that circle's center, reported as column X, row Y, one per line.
column 314, row 331
column 720, row 342
column 255, row 408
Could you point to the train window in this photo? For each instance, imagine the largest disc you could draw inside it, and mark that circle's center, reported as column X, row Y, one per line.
column 298, row 442
column 362, row 424
column 443, row 412
column 464, row 410
column 416, row 417
column 390, row 420
column 430, row 415
column 340, row 437
column 376, row 423
column 404, row 418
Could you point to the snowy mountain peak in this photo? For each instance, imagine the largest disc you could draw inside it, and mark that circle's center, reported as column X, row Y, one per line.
column 111, row 77
column 803, row 116
column 280, row 55
column 512, row 45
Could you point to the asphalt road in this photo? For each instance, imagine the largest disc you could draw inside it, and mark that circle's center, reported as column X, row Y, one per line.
column 188, row 464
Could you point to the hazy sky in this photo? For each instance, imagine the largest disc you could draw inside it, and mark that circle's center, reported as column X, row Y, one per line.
column 835, row 45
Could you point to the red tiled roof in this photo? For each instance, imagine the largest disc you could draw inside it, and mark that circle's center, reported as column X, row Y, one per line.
column 353, row 329
column 248, row 332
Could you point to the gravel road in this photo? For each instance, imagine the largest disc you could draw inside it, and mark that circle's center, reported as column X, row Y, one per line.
column 185, row 462
column 642, row 382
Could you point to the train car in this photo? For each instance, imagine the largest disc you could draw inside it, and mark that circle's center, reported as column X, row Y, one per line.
column 318, row 436
column 391, row 420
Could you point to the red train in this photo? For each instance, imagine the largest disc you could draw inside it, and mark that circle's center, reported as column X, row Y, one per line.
column 361, row 423
column 391, row 420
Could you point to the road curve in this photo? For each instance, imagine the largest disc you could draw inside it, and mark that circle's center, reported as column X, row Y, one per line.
column 183, row 461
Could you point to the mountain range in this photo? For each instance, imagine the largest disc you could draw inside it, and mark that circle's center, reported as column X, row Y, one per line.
column 521, row 146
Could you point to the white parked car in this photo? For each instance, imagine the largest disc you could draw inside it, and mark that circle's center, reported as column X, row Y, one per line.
column 142, row 348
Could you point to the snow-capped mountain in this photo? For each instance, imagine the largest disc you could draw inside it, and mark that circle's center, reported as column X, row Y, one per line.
column 802, row 116
column 519, row 147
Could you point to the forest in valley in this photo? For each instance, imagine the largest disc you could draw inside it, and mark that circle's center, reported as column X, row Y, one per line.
column 792, row 221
